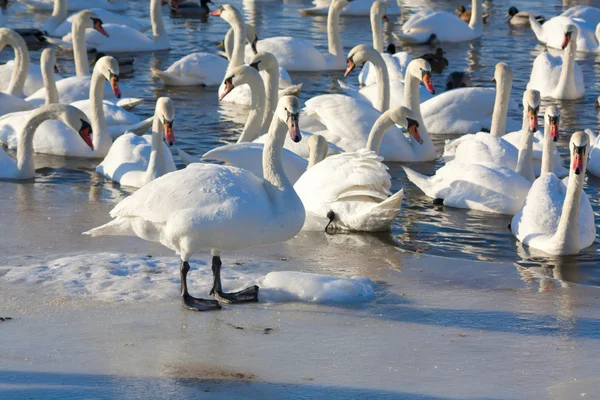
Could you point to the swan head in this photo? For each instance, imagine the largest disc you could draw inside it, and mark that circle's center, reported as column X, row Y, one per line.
column 49, row 57
column 571, row 33
column 531, row 106
column 288, row 110
column 317, row 146
column 552, row 122
column 512, row 11
column 503, row 71
column 264, row 61
column 404, row 117
column 229, row 13
column 252, row 37
column 379, row 10
column 109, row 67
column 165, row 112
column 339, row 5
column 359, row 55
column 420, row 69
column 74, row 118
column 579, row 146
column 89, row 20
column 241, row 75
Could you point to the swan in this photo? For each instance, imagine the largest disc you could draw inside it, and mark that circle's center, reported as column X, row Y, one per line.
column 209, row 69
column 488, row 187
column 107, row 17
column 124, row 38
column 556, row 77
column 351, row 191
column 558, row 219
column 296, row 54
column 347, row 121
column 223, row 209
column 396, row 63
column 10, row 99
column 589, row 14
column 521, row 18
column 77, row 5
column 551, row 33
column 446, row 27
column 133, row 160
column 58, row 139
column 356, row 8
column 23, row 167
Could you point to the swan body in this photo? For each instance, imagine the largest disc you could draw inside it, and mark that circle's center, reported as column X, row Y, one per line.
column 589, row 14
column 107, row 17
column 446, row 27
column 217, row 208
column 593, row 165
column 136, row 160
column 77, row 5
column 558, row 219
column 23, row 167
column 559, row 77
column 551, row 33
column 357, row 8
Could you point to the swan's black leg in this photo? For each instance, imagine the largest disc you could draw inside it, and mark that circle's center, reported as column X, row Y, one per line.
column 191, row 302
column 330, row 217
column 247, row 295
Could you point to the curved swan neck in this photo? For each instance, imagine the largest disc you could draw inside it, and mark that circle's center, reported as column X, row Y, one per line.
column 228, row 44
column 21, row 65
column 566, row 81
column 156, row 19
column 383, row 123
column 272, row 93
column 48, row 61
column 412, row 98
column 25, row 148
column 476, row 21
column 566, row 237
column 156, row 164
column 253, row 126
column 273, row 172
column 101, row 136
column 239, row 37
column 500, row 115
column 334, row 42
column 383, row 81
column 525, row 160
column 82, row 63
column 376, row 28
column 59, row 14
column 548, row 151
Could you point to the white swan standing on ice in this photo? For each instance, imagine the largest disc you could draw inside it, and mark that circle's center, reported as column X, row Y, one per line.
column 217, row 208
column 559, row 77
column 351, row 191
column 23, row 167
column 558, row 219
column 136, row 160
column 443, row 26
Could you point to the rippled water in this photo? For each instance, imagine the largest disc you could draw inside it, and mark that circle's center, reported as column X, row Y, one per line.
column 202, row 123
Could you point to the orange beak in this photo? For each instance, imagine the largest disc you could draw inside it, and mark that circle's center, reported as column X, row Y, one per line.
column 114, row 84
column 429, row 83
column 98, row 26
column 566, row 40
column 169, row 134
column 216, row 13
column 533, row 121
column 554, row 131
column 228, row 88
column 294, row 129
column 414, row 131
column 577, row 163
column 86, row 134
column 349, row 67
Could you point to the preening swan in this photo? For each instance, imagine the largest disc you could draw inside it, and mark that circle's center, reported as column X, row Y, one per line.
column 351, row 191
column 23, row 167
column 446, row 27
column 136, row 160
column 555, row 218
column 223, row 209
column 559, row 77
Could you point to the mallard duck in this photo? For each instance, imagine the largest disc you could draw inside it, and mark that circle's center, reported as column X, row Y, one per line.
column 465, row 14
column 521, row 18
column 458, row 79
column 437, row 60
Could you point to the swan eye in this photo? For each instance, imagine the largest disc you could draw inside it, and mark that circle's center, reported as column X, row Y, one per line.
column 533, row 110
column 411, row 122
column 166, row 122
column 425, row 73
column 97, row 21
column 113, row 76
column 554, row 120
column 293, row 116
column 579, row 150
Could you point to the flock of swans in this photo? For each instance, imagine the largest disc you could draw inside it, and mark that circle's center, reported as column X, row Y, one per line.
column 278, row 178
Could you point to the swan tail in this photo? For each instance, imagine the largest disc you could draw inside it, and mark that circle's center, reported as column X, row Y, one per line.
column 380, row 217
column 141, row 127
column 116, row 227
column 536, row 27
column 175, row 80
column 421, row 181
column 129, row 103
column 187, row 158
column 391, row 204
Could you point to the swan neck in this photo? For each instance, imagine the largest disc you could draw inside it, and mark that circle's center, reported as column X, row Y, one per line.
column 25, row 163
column 500, row 115
column 383, row 123
column 239, row 37
column 156, row 164
column 49, row 80
column 274, row 175
column 566, row 81
column 566, row 237
column 156, row 19
column 59, row 14
column 383, row 82
column 21, row 65
column 101, row 136
column 377, row 32
column 82, row 63
column 333, row 30
column 476, row 21
column 253, row 126
column 412, row 97
column 548, row 151
column 228, row 44
column 525, row 160
column 272, row 92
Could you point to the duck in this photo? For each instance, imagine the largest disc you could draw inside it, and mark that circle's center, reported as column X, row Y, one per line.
column 521, row 18
column 458, row 79
column 593, row 164
column 224, row 209
column 446, row 27
column 77, row 5
column 294, row 54
column 58, row 139
column 136, row 160
column 23, row 168
column 185, row 7
column 347, row 121
column 11, row 99
column 124, row 38
column 437, row 60
column 483, row 186
column 559, row 77
column 396, row 62
column 356, row 8
column 465, row 14
column 557, row 218
column 351, row 191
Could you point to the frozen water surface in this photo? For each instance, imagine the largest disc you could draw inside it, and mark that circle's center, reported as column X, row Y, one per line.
column 446, row 306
